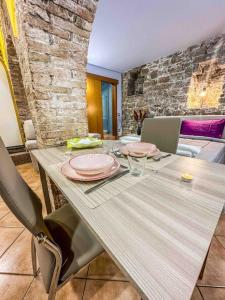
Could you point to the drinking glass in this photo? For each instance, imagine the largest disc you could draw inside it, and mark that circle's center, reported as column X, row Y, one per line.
column 137, row 164
column 68, row 153
column 107, row 147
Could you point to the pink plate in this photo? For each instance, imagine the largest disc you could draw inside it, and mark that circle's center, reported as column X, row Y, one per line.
column 70, row 173
column 141, row 148
column 125, row 151
column 92, row 163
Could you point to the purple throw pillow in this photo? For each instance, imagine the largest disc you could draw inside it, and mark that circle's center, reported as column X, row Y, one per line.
column 210, row 128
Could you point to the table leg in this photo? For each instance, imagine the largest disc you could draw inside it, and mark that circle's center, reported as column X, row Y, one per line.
column 45, row 189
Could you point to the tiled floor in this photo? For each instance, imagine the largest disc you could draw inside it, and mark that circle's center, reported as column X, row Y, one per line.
column 101, row 280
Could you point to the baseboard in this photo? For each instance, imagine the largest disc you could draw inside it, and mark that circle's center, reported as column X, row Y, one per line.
column 21, row 158
column 16, row 149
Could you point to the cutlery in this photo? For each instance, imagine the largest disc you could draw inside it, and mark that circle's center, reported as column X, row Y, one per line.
column 123, row 166
column 161, row 157
column 107, row 180
column 118, row 154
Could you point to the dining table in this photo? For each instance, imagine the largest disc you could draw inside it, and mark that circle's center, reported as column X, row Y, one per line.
column 156, row 227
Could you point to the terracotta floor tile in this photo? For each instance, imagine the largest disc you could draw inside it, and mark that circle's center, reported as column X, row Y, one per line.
column 103, row 267
column 14, row 287
column 221, row 239
column 213, row 293
column 10, row 221
column 220, row 229
column 73, row 290
column 109, row 290
column 215, row 266
column 17, row 259
column 82, row 273
column 196, row 295
column 7, row 237
column 3, row 209
column 32, row 178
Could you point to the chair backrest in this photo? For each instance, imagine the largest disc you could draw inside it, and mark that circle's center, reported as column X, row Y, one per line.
column 29, row 131
column 26, row 206
column 18, row 196
column 163, row 132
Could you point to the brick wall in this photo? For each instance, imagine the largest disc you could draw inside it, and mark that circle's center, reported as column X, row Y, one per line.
column 166, row 85
column 17, row 82
column 52, row 51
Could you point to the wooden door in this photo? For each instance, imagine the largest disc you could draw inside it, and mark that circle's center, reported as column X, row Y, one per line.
column 94, row 105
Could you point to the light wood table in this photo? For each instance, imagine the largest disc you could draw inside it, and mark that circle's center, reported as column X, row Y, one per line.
column 158, row 230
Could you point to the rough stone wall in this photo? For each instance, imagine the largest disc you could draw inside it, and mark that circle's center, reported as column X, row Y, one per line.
column 17, row 82
column 163, row 85
column 52, row 51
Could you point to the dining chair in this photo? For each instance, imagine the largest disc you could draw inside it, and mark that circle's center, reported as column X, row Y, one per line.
column 163, row 132
column 61, row 243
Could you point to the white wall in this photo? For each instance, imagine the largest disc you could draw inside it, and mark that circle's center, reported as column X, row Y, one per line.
column 115, row 75
column 9, row 129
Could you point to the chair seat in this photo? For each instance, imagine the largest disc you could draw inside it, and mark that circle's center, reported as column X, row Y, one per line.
column 31, row 145
column 78, row 245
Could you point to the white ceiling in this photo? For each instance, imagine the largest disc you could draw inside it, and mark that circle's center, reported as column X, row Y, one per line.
column 129, row 33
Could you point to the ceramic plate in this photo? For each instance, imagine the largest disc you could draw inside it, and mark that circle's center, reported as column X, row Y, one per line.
column 129, row 139
column 141, row 148
column 92, row 164
column 125, row 152
column 70, row 173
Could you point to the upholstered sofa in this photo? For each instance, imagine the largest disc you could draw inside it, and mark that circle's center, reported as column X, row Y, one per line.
column 211, row 149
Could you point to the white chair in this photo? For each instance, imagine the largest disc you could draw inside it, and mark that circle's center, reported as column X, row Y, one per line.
column 31, row 142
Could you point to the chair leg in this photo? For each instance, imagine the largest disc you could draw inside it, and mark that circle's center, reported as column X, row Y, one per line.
column 52, row 294
column 34, row 257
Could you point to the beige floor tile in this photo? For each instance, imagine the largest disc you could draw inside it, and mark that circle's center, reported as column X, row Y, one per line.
column 109, row 290
column 220, row 229
column 103, row 267
column 3, row 209
column 7, row 237
column 14, row 287
column 10, row 221
column 196, row 295
column 215, row 266
column 73, row 290
column 213, row 293
column 17, row 259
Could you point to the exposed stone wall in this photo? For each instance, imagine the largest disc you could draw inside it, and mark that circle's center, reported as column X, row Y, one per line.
column 52, row 51
column 17, row 82
column 164, row 85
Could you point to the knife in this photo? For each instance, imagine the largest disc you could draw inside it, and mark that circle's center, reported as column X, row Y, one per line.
column 107, row 180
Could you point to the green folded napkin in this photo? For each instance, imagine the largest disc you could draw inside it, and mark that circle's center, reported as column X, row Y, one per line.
column 83, row 142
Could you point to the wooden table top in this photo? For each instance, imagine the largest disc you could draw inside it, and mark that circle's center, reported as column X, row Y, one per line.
column 158, row 230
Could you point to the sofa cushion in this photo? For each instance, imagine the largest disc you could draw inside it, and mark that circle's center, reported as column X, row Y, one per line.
column 209, row 128
column 202, row 138
column 213, row 152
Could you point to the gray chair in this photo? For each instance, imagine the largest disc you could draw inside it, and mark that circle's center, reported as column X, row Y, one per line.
column 163, row 132
column 61, row 241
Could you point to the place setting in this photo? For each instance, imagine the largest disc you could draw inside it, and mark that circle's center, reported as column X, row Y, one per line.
column 105, row 172
column 153, row 158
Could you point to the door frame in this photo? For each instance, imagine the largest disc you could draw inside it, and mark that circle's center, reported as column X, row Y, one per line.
column 114, row 83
